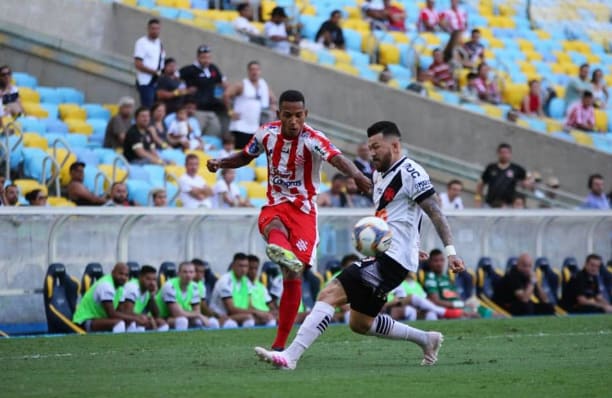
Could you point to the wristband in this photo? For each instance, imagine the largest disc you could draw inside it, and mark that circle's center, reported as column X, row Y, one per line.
column 450, row 250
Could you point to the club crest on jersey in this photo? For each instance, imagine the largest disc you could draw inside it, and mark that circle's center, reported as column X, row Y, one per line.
column 389, row 194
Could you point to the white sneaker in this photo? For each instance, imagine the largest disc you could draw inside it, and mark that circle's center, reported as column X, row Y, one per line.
column 430, row 350
column 284, row 257
column 278, row 359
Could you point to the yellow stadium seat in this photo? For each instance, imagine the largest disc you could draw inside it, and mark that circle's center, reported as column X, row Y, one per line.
column 389, row 54
column 261, row 174
column 571, row 69
column 58, row 201
column 64, row 159
column 562, row 57
column 266, row 9
column 593, row 58
column 523, row 123
column 514, row 93
column 165, row 3
column 543, row 34
column 496, row 43
column 525, row 45
column 34, row 109
column 308, row 55
column 34, row 140
column 400, row 37
column 26, row 94
column 353, row 12
column 582, row 138
column 377, row 67
column 186, row 4
column 609, row 79
column 210, row 178
column 557, row 68
column 79, row 126
column 356, row 24
column 553, row 125
column 309, row 10
column 493, row 111
column 601, row 120
column 526, row 67
column 431, row 39
column 368, row 43
column 506, row 10
column 346, row 68
column 113, row 108
column 533, row 55
column 435, row 95
column 206, row 24
column 174, row 170
column 254, row 189
column 560, row 90
column 72, row 111
column 203, row 157
column 394, row 83
column 341, row 56
column 107, row 170
column 26, row 186
column 486, row 33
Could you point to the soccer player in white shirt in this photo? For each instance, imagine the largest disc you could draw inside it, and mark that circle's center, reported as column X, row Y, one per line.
column 402, row 192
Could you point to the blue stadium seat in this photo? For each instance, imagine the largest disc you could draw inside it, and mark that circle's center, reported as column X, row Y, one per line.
column 557, row 108
column 261, row 161
column 76, row 140
column 245, row 174
column 99, row 126
column 171, row 191
column 32, row 125
column 167, row 12
column 16, row 153
column 105, row 155
column 450, row 98
column 352, row 39
column 138, row 172
column 156, row 174
column 138, row 191
column 87, row 156
column 33, row 163
column 474, row 108
column 538, row 125
column 96, row 111
column 90, row 180
column 258, row 202
column 71, row 95
column 25, row 80
column 399, row 72
column 311, row 24
column 200, row 4
column 146, row 3
column 51, row 137
column 174, row 155
column 49, row 95
column 358, row 58
column 212, row 140
column 368, row 74
column 185, row 14
column 225, row 28
column 564, row 136
column 326, row 58
column 52, row 110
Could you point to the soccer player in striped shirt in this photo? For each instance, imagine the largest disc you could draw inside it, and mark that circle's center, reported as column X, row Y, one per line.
column 295, row 152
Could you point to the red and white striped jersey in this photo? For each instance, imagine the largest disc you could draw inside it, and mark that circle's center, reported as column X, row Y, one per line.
column 294, row 165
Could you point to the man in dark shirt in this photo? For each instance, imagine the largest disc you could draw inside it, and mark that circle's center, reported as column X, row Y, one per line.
column 330, row 32
column 583, row 292
column 77, row 192
column 138, row 146
column 171, row 90
column 501, row 179
column 203, row 77
column 474, row 48
column 515, row 290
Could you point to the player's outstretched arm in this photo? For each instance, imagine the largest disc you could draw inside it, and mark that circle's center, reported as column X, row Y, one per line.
column 431, row 207
column 348, row 168
column 233, row 161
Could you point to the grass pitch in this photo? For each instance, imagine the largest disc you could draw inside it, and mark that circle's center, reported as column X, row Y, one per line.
column 544, row 357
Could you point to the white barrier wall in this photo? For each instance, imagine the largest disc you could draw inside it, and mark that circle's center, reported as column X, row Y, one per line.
column 32, row 238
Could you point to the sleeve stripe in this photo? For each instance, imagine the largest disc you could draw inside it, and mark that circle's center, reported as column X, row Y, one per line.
column 425, row 195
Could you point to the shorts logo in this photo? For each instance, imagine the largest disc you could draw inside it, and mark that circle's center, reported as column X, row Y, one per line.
column 302, row 245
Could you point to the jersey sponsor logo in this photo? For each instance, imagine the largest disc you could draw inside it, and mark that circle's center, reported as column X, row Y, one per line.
column 302, row 245
column 278, row 173
column 422, row 186
column 286, row 183
column 413, row 172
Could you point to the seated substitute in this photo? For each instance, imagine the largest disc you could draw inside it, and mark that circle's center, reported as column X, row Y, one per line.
column 200, row 280
column 136, row 299
column 264, row 308
column 584, row 293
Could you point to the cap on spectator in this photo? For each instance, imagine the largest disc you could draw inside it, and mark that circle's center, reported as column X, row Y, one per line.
column 204, row 49
column 278, row 12
column 553, row 182
column 126, row 101
column 74, row 165
column 537, row 177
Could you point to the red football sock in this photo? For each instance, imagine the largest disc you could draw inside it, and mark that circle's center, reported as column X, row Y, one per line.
column 277, row 237
column 287, row 311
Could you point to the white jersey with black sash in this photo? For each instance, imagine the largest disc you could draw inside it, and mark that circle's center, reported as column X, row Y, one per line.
column 397, row 194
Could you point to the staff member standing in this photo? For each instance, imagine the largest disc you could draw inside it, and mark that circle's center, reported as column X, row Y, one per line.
column 149, row 55
column 501, row 179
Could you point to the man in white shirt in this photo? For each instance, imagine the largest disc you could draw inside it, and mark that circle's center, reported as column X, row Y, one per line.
column 149, row 55
column 243, row 24
column 227, row 193
column 275, row 31
column 451, row 199
column 194, row 191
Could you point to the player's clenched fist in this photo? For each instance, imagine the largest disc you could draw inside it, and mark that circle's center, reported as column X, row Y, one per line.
column 456, row 264
column 363, row 183
column 213, row 165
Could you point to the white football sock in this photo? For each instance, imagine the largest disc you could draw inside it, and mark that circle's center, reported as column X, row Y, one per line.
column 131, row 327
column 163, row 328
column 426, row 305
column 213, row 323
column 384, row 326
column 347, row 317
column 313, row 326
column 410, row 313
column 431, row 316
column 271, row 322
column 181, row 323
column 249, row 323
column 119, row 327
column 230, row 324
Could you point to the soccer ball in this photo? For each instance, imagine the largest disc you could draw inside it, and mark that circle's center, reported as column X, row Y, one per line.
column 371, row 235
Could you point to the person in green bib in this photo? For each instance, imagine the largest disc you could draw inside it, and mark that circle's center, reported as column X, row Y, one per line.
column 200, row 281
column 137, row 298
column 263, row 306
column 97, row 310
column 179, row 301
column 231, row 295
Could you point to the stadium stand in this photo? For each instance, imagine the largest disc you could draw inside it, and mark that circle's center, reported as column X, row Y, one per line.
column 60, row 292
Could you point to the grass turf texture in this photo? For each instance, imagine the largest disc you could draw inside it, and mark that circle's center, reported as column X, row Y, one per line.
column 558, row 357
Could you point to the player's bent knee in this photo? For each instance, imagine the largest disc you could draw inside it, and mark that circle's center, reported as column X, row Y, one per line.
column 333, row 294
column 359, row 327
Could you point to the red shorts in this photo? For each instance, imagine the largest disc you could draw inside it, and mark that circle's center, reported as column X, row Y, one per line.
column 302, row 228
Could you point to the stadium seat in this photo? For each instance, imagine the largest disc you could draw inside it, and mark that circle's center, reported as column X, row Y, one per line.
column 464, row 283
column 548, row 281
column 49, row 95
column 510, row 264
column 72, row 111
column 34, row 109
column 24, row 80
column 34, row 140
column 245, row 174
column 134, row 269
column 55, row 126
column 32, row 125
column 568, row 270
column 33, row 162
column 167, row 270
column 389, row 54
column 486, row 279
column 27, row 185
column 71, row 95
column 138, row 191
column 29, row 95
column 92, row 272
column 59, row 201
column 78, row 126
column 254, row 189
column 60, row 292
column 96, row 111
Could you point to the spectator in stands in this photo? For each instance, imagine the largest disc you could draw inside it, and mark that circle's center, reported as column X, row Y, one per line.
column 230, row 296
column 385, row 76
column 470, row 91
column 204, row 77
column 11, row 195
column 429, row 19
column 97, row 310
column 455, row 53
column 149, row 55
column 160, row 197
column 200, row 280
column 442, row 74
column 596, row 199
column 419, row 86
column 265, row 310
column 37, row 197
column 179, row 301
column 194, row 191
column 229, row 146
column 181, row 134
column 363, row 161
column 501, row 179
column 226, row 191
column 599, row 89
column 277, row 32
column 138, row 298
column 119, row 124
column 474, row 48
column 336, row 196
column 171, row 90
column 2, row 182
column 243, row 23
column 395, row 16
column 584, row 292
column 9, row 93
column 514, row 291
column 138, row 146
column 77, row 192
column 581, row 115
column 454, row 18
column 488, row 90
column 250, row 97
column 157, row 128
column 375, row 13
column 532, row 102
column 119, row 196
column 330, row 33
column 355, row 198
column 519, row 201
column 577, row 86
column 451, row 199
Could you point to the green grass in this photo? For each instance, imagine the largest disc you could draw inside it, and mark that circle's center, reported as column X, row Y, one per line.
column 547, row 357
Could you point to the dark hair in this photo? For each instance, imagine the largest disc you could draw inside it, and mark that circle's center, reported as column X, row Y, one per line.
column 504, row 145
column 153, row 21
column 254, row 62
column 198, row 262
column 190, row 100
column 147, row 269
column 453, row 182
column 348, row 260
column 240, row 7
column 335, row 12
column 435, row 50
column 239, row 256
column 76, row 165
column 140, row 110
column 475, row 30
column 32, row 195
column 5, row 67
column 157, row 192
column 385, row 127
column 156, row 105
column 184, row 263
column 480, row 66
column 228, row 139
column 169, row 60
column 594, row 177
column 585, row 65
column 435, row 252
column 593, row 256
column 291, row 96
column 519, row 195
column 472, row 76
column 11, row 185
column 448, row 50
column 338, row 176
column 191, row 156
column 252, row 257
column 532, row 81
column 593, row 74
column 587, row 94
column 114, row 184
